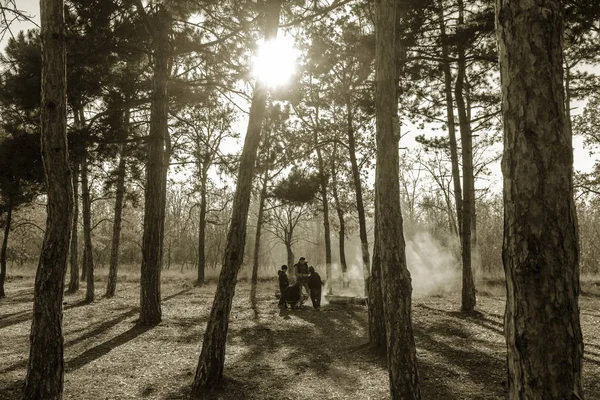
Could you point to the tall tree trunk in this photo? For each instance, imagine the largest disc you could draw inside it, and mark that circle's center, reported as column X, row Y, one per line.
column 111, row 285
column 4, row 248
column 540, row 251
column 340, row 214
column 163, row 199
column 377, row 339
column 150, row 307
column 45, row 369
column 202, row 226
column 74, row 249
column 212, row 357
column 362, row 223
column 88, row 256
column 450, row 119
column 468, row 286
column 474, row 249
column 259, row 222
column 324, row 199
column 395, row 277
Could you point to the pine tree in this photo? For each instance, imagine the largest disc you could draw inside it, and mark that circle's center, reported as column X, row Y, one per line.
column 395, row 277
column 45, row 369
column 540, row 251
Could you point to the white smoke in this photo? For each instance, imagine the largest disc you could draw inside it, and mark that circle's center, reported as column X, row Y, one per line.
column 434, row 269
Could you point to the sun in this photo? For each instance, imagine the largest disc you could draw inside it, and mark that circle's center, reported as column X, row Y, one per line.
column 275, row 61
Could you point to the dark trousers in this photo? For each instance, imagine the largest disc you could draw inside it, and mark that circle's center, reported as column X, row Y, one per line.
column 315, row 297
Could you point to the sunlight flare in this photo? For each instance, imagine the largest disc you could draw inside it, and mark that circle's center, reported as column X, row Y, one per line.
column 275, row 61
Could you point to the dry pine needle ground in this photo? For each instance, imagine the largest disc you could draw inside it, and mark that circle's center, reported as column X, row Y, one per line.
column 270, row 354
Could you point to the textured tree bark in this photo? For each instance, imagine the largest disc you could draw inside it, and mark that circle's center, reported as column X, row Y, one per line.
column 202, row 226
column 74, row 248
column 45, row 369
column 468, row 299
column 88, row 256
column 451, row 121
column 395, row 277
column 150, row 307
column 377, row 339
column 212, row 357
column 111, row 285
column 362, row 223
column 4, row 248
column 540, row 251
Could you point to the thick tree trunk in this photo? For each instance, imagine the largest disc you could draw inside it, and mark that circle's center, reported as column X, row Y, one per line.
column 202, row 228
column 88, row 256
column 540, row 251
column 395, row 277
column 362, row 223
column 212, row 357
column 259, row 222
column 46, row 367
column 4, row 248
column 111, row 285
column 150, row 307
column 377, row 340
column 451, row 122
column 468, row 286
column 74, row 249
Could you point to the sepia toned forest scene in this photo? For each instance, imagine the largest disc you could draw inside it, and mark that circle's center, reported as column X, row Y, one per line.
column 299, row 199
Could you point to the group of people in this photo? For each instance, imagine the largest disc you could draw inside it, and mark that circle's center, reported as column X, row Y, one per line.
column 306, row 278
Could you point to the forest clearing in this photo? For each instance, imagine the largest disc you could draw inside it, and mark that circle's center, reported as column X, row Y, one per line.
column 298, row 354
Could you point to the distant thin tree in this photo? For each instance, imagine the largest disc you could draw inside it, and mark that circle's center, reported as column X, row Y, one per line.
column 21, row 177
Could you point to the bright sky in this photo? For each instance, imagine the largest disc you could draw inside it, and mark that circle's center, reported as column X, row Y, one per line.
column 583, row 160
column 30, row 7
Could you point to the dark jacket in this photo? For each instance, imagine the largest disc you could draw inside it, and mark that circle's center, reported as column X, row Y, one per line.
column 283, row 281
column 315, row 282
column 301, row 269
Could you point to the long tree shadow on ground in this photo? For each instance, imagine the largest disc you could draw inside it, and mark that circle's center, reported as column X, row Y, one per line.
column 98, row 330
column 27, row 315
column 104, row 348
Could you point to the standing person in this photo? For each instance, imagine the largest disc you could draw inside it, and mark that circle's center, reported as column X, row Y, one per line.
column 283, row 279
column 314, row 284
column 301, row 273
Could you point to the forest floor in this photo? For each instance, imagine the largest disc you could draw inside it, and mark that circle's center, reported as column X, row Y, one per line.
column 301, row 354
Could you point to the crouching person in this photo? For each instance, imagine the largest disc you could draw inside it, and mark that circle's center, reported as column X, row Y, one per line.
column 291, row 296
column 314, row 284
